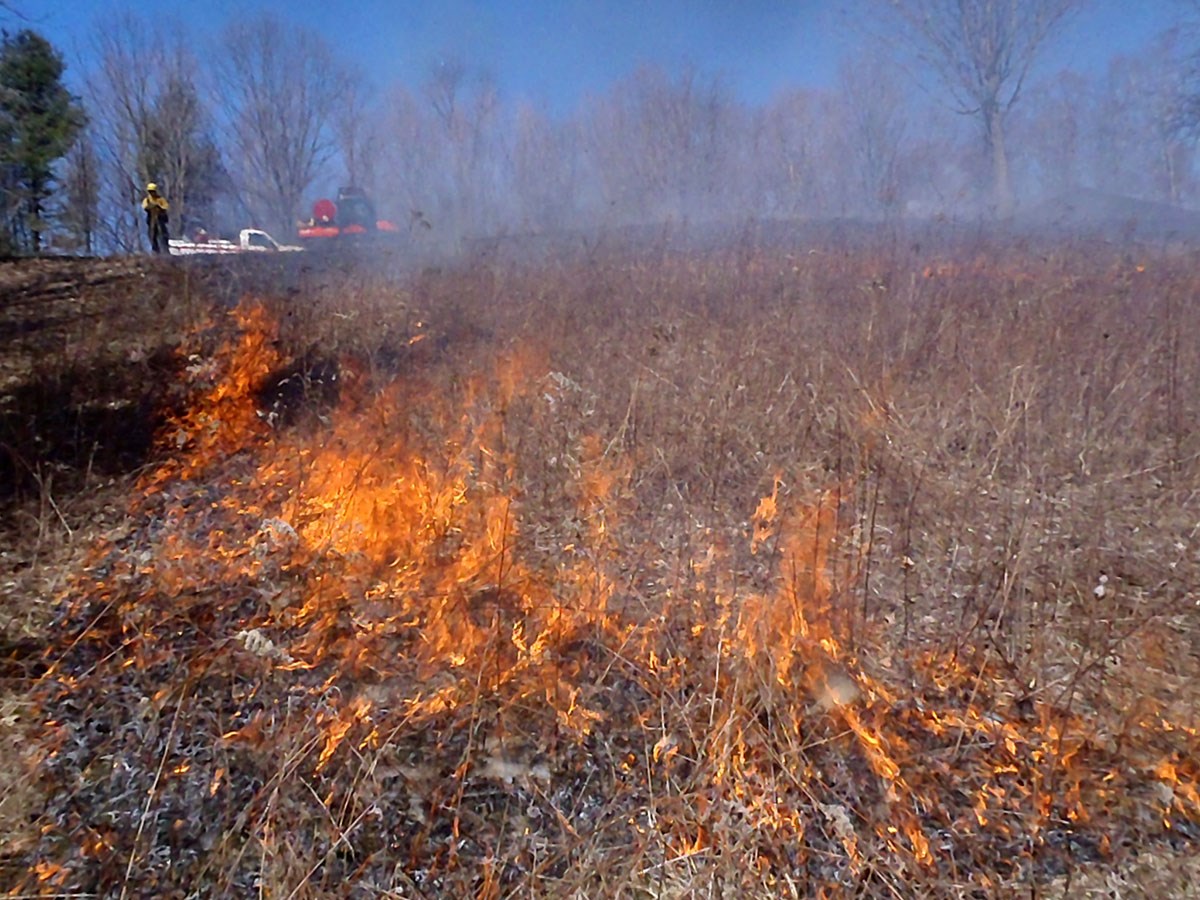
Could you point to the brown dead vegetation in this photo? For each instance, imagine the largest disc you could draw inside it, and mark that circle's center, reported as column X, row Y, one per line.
column 744, row 574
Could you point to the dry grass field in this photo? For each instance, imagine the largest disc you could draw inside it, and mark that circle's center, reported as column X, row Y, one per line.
column 749, row 573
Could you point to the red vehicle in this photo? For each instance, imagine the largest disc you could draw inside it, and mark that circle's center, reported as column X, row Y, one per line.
column 352, row 216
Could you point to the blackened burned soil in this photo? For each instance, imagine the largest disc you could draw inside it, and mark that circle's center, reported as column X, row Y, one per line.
column 89, row 355
column 81, row 373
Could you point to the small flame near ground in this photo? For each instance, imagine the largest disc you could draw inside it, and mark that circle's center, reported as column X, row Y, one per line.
column 333, row 646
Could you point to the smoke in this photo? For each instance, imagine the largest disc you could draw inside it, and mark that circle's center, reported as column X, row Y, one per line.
column 469, row 123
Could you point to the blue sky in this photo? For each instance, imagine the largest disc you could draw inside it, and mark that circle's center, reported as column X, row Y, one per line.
column 553, row 52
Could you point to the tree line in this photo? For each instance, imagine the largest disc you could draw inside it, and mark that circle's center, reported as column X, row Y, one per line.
column 249, row 130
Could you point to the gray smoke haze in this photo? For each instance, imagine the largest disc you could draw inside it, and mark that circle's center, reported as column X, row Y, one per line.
column 484, row 120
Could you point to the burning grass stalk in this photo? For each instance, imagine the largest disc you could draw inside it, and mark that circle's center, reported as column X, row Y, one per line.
column 471, row 692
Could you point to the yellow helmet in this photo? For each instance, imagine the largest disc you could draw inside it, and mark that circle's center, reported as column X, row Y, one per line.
column 152, row 188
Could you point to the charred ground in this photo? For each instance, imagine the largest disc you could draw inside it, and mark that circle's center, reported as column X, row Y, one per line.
column 756, row 572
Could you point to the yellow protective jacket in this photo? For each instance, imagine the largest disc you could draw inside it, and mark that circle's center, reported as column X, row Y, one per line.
column 155, row 205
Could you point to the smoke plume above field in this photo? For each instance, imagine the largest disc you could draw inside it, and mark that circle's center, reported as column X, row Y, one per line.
column 471, row 120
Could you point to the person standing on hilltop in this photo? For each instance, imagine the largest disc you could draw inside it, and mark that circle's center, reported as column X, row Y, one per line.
column 156, row 206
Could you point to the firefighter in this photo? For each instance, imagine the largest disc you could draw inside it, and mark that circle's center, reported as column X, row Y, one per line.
column 156, row 206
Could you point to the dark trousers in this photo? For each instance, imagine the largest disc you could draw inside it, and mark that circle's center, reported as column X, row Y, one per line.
column 159, row 235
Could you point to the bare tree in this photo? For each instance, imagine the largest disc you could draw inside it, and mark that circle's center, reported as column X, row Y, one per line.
column 284, row 90
column 1187, row 31
column 121, row 94
column 661, row 145
column 358, row 135
column 545, row 170
column 1057, row 124
column 1137, row 133
column 788, row 151
column 81, row 195
column 444, row 157
column 468, row 130
column 444, row 87
column 181, row 152
column 151, row 125
column 875, row 133
column 408, row 158
column 981, row 52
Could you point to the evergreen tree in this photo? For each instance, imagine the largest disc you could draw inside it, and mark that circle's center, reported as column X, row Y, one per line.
column 39, row 121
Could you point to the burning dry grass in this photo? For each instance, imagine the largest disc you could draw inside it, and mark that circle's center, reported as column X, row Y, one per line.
column 736, row 576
